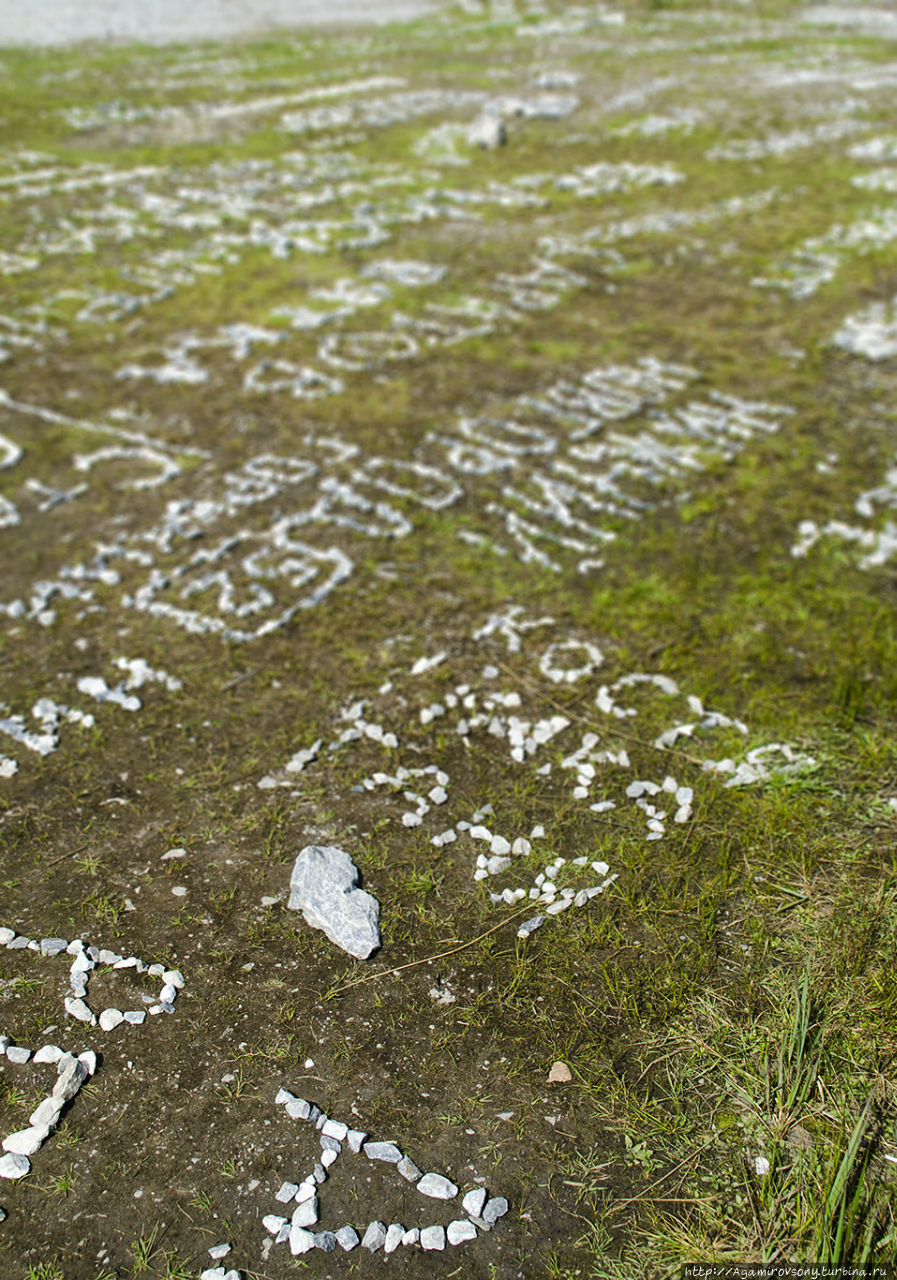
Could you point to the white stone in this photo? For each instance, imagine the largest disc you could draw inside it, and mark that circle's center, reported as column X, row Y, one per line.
column 488, row 132
column 432, row 1238
column 48, row 1053
column 436, row 1186
column 14, row 1166
column 18, row 1054
column 47, row 1112
column 70, row 1079
column 347, row 1238
column 301, row 1241
column 78, row 1009
column 26, row 1141
column 393, row 1237
column 386, row 1151
column 460, row 1230
column 306, row 1214
column 110, row 1019
column 375, row 1237
column 474, row 1201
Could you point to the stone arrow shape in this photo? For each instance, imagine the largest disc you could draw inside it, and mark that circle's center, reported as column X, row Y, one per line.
column 301, row 1201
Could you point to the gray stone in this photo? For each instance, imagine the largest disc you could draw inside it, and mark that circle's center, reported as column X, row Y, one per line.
column 298, row 1109
column 286, row 1192
column 347, row 1238
column 14, row 1166
column 495, row 1209
column 432, row 1238
column 460, row 1230
column 393, row 1237
column 2, row 1215
column 52, row 946
column 474, row 1200
column 18, row 1054
column 325, row 1241
column 17, row 944
column 320, row 1172
column 436, row 1186
column 135, row 1017
column 408, row 1169
column 387, row 1151
column 283, row 1097
column 355, row 1139
column 323, row 886
column 530, row 926
column 375, row 1237
column 330, row 1144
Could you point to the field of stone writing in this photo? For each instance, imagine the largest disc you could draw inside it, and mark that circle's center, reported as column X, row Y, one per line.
column 448, row 783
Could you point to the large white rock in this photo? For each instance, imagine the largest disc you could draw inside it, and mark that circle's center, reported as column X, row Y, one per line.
column 324, row 887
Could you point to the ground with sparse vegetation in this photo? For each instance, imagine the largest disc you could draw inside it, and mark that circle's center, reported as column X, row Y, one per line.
column 300, row 387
